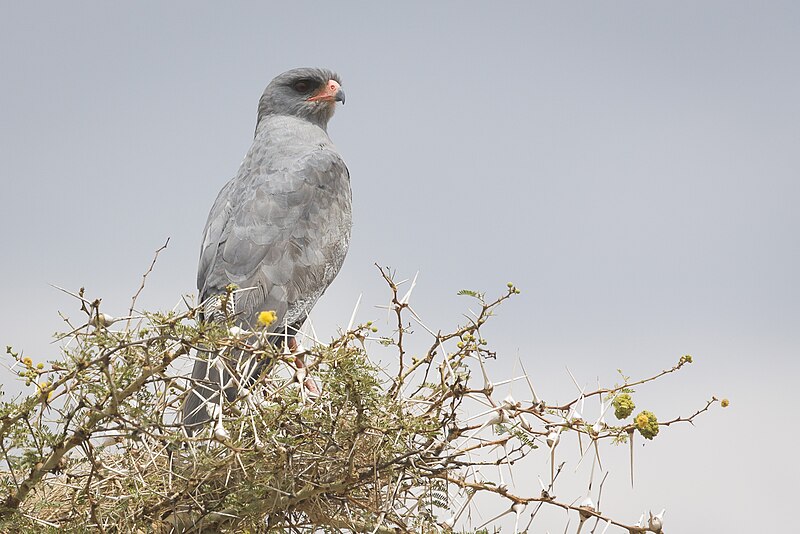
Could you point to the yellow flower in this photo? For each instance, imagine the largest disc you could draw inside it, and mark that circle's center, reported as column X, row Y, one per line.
column 725, row 403
column 27, row 361
column 647, row 424
column 267, row 317
column 43, row 386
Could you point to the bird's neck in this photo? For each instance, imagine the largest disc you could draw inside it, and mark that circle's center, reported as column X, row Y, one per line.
column 271, row 120
column 291, row 132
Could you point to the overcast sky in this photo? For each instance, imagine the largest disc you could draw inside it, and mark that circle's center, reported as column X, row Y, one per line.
column 634, row 167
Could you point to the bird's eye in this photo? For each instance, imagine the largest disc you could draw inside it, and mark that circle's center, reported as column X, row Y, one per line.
column 302, row 86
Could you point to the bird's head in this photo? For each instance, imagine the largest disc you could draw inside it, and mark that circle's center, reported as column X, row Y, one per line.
column 308, row 93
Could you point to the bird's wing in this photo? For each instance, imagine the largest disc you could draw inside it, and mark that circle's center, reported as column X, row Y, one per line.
column 216, row 231
column 281, row 231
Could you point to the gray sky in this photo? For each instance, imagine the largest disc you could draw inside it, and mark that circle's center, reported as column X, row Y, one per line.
column 632, row 166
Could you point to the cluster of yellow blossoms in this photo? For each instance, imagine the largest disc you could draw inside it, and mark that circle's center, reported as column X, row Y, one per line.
column 32, row 372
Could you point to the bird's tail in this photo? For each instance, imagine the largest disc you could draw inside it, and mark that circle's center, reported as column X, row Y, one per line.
column 217, row 378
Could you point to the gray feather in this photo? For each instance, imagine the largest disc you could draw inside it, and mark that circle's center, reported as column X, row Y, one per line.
column 281, row 225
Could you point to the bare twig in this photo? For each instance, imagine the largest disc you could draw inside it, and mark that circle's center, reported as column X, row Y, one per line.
column 144, row 277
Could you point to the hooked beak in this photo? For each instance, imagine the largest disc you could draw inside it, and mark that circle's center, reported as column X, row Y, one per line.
column 332, row 92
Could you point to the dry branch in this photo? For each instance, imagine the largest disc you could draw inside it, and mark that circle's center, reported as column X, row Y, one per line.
column 99, row 445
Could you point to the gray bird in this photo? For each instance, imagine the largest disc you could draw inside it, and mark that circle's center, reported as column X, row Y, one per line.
column 280, row 229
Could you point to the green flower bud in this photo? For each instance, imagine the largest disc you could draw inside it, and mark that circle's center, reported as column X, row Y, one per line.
column 623, row 406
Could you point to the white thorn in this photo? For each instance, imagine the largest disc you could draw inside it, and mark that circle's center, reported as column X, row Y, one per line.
column 574, row 381
column 544, row 488
column 656, row 522
column 553, row 438
column 509, row 403
column 213, row 410
column 103, row 319
column 499, row 418
column 407, row 296
column 300, row 375
column 517, row 508
column 238, row 333
column 530, row 385
column 220, row 433
column 353, row 316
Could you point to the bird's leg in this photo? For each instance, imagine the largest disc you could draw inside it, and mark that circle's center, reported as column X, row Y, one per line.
column 300, row 362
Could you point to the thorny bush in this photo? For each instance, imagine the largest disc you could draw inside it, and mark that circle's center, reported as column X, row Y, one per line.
column 98, row 444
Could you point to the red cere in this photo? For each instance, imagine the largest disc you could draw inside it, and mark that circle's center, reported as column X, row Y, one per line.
column 328, row 93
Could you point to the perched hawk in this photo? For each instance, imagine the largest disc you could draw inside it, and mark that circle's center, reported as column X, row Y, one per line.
column 280, row 229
